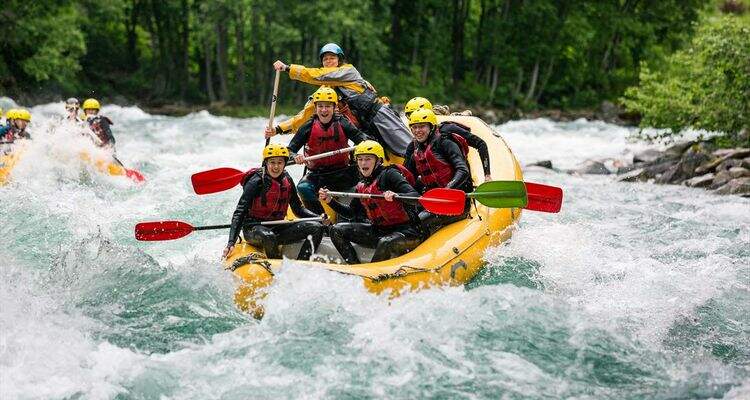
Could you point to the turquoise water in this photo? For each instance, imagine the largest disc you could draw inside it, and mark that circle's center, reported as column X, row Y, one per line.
column 634, row 291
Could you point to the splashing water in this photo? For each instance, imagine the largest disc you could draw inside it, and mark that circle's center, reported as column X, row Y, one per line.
column 632, row 291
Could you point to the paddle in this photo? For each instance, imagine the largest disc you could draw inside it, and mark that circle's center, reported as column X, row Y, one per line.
column 437, row 201
column 221, row 179
column 170, row 230
column 544, row 198
column 509, row 194
column 130, row 173
column 501, row 194
column 273, row 102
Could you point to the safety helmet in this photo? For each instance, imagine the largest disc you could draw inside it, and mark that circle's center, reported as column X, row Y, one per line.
column 71, row 103
column 369, row 147
column 331, row 48
column 275, row 150
column 421, row 116
column 91, row 104
column 415, row 104
column 325, row 93
column 22, row 114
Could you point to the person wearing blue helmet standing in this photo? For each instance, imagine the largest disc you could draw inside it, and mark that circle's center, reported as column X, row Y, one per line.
column 372, row 116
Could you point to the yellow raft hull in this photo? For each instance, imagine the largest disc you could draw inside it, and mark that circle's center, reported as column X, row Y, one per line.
column 452, row 256
column 8, row 161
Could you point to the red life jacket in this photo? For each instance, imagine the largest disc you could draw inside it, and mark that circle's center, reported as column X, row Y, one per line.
column 382, row 213
column 272, row 204
column 405, row 173
column 434, row 171
column 325, row 140
column 344, row 109
column 96, row 127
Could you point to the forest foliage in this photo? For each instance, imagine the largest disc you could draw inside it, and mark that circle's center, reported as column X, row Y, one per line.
column 493, row 53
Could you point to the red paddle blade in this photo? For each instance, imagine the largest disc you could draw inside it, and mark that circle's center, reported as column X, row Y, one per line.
column 216, row 180
column 135, row 175
column 444, row 201
column 544, row 198
column 163, row 230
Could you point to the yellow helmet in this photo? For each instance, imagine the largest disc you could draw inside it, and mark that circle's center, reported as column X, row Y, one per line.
column 275, row 150
column 325, row 93
column 421, row 116
column 23, row 114
column 91, row 104
column 369, row 147
column 416, row 104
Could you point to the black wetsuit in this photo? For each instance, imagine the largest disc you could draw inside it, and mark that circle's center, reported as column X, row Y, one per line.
column 270, row 237
column 388, row 242
column 448, row 151
column 472, row 140
column 341, row 179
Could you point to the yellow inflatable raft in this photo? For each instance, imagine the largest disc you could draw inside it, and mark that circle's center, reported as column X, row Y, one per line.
column 8, row 161
column 452, row 256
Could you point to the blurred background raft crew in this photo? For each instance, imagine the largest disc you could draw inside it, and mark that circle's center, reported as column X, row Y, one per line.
column 374, row 117
column 15, row 128
column 72, row 108
column 267, row 192
column 99, row 124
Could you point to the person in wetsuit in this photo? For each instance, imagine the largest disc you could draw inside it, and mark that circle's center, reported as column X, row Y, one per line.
column 17, row 122
column 452, row 127
column 99, row 124
column 323, row 132
column 368, row 111
column 438, row 161
column 385, row 224
column 267, row 192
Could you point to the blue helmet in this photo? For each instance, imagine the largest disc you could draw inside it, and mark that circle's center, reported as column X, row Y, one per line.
column 331, row 48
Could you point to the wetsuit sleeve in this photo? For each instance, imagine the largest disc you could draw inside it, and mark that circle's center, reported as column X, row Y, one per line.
column 473, row 141
column 250, row 191
column 296, row 204
column 301, row 137
column 293, row 124
column 452, row 153
column 345, row 76
column 354, row 211
column 409, row 159
column 393, row 180
column 352, row 132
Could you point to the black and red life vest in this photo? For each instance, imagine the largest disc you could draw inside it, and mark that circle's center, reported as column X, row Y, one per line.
column 323, row 140
column 271, row 204
column 433, row 171
column 380, row 212
column 96, row 127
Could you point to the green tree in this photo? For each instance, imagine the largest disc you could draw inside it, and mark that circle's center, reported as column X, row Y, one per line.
column 705, row 86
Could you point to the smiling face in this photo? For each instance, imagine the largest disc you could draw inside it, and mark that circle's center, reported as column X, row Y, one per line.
column 330, row 60
column 275, row 166
column 421, row 131
column 20, row 123
column 324, row 111
column 366, row 164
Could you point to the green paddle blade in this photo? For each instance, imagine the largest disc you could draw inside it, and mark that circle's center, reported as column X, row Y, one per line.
column 501, row 194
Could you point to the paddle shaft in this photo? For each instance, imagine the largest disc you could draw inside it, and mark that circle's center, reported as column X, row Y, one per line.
column 273, row 102
column 328, row 154
column 382, row 196
column 278, row 222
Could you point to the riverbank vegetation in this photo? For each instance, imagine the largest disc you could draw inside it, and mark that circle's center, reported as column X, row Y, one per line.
column 491, row 54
